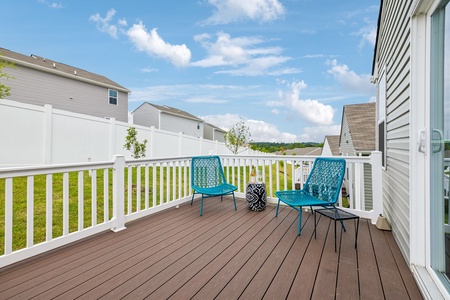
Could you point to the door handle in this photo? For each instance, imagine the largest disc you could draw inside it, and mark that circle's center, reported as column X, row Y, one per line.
column 437, row 141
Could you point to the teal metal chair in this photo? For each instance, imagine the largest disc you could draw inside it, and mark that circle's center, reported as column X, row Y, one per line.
column 207, row 179
column 322, row 188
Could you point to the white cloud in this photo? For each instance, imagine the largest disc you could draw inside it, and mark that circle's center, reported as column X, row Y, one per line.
column 368, row 35
column 317, row 134
column 153, row 44
column 309, row 110
column 103, row 24
column 213, row 92
column 205, row 100
column 260, row 131
column 149, row 42
column 349, row 79
column 228, row 11
column 51, row 4
column 242, row 54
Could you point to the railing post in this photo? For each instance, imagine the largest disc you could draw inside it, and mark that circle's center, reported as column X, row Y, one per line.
column 118, row 193
column 377, row 185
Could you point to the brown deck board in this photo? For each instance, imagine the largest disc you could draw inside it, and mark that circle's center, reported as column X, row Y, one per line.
column 391, row 279
column 224, row 254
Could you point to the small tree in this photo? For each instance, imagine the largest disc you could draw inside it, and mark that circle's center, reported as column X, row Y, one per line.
column 4, row 90
column 132, row 144
column 237, row 137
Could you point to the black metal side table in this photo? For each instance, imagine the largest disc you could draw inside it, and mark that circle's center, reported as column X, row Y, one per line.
column 256, row 196
column 337, row 214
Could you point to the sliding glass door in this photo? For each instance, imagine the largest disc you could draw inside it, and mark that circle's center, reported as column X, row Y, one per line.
column 440, row 142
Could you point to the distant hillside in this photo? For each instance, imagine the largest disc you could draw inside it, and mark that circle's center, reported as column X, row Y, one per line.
column 276, row 147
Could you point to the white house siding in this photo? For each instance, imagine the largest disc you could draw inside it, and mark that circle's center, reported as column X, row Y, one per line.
column 393, row 58
column 39, row 88
column 146, row 115
column 326, row 151
column 186, row 126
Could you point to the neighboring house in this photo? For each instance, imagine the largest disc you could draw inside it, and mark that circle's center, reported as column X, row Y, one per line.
column 39, row 81
column 331, row 145
column 358, row 129
column 168, row 118
column 214, row 133
column 411, row 71
column 357, row 138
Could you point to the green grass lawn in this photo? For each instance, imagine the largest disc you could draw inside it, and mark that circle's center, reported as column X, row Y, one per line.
column 20, row 198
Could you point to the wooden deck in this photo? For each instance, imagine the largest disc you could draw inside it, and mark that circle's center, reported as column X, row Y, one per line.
column 224, row 254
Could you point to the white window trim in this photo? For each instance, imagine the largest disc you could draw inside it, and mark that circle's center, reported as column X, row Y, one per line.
column 117, row 98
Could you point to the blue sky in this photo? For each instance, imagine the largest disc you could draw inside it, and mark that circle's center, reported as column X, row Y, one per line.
column 285, row 67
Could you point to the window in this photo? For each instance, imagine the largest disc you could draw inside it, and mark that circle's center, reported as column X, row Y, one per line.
column 381, row 103
column 113, row 97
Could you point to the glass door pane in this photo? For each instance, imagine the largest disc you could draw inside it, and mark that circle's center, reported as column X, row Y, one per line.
column 440, row 143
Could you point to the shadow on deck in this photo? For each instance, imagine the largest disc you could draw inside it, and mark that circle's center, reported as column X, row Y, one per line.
column 224, row 254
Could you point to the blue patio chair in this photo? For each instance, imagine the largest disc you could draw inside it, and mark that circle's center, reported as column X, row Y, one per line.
column 322, row 188
column 207, row 178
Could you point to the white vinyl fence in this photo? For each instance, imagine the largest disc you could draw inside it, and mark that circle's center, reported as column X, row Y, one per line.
column 36, row 135
column 49, row 206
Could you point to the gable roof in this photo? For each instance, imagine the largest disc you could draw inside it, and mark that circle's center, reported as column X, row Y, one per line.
column 333, row 142
column 57, row 68
column 361, row 119
column 172, row 111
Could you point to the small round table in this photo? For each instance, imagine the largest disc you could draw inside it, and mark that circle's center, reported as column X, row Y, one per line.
column 256, row 196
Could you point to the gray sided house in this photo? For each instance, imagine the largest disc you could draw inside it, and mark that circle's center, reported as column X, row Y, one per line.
column 214, row 133
column 358, row 129
column 411, row 72
column 39, row 81
column 358, row 136
column 168, row 118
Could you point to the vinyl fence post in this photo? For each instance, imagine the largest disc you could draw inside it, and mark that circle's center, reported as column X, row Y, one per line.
column 118, row 193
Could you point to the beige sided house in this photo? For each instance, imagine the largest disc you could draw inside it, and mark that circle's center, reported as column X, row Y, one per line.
column 214, row 133
column 411, row 69
column 168, row 118
column 39, row 81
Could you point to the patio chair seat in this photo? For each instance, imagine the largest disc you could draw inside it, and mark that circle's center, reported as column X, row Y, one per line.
column 322, row 187
column 208, row 179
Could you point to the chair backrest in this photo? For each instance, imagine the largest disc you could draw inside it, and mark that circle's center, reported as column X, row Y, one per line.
column 325, row 180
column 206, row 171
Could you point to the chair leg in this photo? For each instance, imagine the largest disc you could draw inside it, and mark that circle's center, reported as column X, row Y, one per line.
column 300, row 212
column 234, row 200
column 278, row 205
column 201, row 207
column 192, row 199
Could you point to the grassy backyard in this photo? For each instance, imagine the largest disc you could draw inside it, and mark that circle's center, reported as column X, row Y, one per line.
column 40, row 182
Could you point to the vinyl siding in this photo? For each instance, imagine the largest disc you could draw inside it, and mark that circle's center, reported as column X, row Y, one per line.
column 393, row 56
column 146, row 115
column 346, row 145
column 177, row 124
column 39, row 88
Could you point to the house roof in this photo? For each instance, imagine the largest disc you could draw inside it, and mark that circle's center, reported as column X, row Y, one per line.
column 54, row 67
column 361, row 124
column 333, row 142
column 172, row 111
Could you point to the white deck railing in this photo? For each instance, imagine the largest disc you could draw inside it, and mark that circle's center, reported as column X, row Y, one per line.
column 49, row 206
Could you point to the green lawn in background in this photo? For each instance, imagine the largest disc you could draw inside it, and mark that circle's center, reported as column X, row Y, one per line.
column 20, row 198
